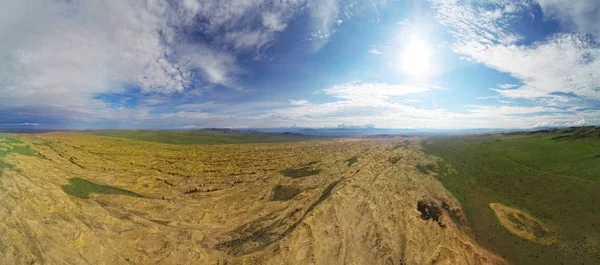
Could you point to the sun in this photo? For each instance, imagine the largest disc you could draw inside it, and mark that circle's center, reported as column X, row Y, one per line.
column 415, row 58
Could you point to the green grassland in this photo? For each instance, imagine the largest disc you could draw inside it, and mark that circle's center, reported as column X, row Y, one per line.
column 553, row 175
column 285, row 193
column 11, row 144
column 203, row 136
column 82, row 188
column 301, row 171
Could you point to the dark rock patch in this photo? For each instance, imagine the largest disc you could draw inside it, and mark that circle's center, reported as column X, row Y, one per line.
column 430, row 210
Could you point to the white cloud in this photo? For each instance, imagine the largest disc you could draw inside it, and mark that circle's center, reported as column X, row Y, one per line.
column 302, row 102
column 324, row 15
column 374, row 50
column 95, row 47
column 507, row 110
column 480, row 21
column 404, row 22
column 58, row 55
column 216, row 67
column 507, row 86
column 564, row 123
column 357, row 91
column 113, row 43
column 385, row 105
column 249, row 39
column 398, row 115
column 580, row 122
column 191, row 126
column 354, row 126
column 272, row 21
column 565, row 63
column 583, row 15
column 20, row 124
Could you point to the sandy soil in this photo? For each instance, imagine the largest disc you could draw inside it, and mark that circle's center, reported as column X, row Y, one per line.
column 523, row 224
column 215, row 205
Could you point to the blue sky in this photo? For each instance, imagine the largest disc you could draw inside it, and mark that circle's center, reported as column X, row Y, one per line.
column 265, row 63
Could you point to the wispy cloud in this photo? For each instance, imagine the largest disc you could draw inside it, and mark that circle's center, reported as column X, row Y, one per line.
column 374, row 50
column 507, row 86
column 20, row 124
column 302, row 102
column 565, row 63
column 583, row 15
column 358, row 91
column 545, row 123
column 325, row 16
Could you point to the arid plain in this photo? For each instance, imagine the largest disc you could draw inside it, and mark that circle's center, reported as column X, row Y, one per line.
column 74, row 198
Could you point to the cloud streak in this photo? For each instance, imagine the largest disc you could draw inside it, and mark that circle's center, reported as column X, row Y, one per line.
column 562, row 63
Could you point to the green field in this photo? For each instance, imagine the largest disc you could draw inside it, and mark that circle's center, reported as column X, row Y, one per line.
column 82, row 188
column 10, row 144
column 554, row 176
column 203, row 136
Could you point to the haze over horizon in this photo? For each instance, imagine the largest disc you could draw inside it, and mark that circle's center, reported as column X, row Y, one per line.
column 181, row 64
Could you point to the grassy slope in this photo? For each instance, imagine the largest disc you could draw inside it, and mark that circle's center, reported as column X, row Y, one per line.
column 557, row 181
column 202, row 137
column 10, row 144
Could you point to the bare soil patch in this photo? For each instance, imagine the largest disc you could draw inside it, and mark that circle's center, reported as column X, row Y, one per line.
column 523, row 224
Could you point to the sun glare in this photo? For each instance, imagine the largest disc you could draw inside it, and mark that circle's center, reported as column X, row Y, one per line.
column 416, row 58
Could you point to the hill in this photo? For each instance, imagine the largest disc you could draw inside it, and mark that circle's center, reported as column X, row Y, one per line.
column 550, row 180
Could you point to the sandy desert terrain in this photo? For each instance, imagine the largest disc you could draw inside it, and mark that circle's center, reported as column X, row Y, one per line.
column 84, row 199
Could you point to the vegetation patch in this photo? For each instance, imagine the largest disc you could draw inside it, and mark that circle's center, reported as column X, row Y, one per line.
column 9, row 145
column 403, row 144
column 4, row 165
column 523, row 224
column 301, row 171
column 455, row 215
column 310, row 163
column 194, row 190
column 82, row 188
column 352, row 160
column 6, row 139
column 425, row 168
column 578, row 133
column 394, row 159
column 285, row 193
column 324, row 195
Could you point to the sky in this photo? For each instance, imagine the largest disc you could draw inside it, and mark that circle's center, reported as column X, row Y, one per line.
column 185, row 64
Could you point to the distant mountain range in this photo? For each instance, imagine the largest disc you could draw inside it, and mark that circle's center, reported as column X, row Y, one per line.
column 383, row 131
column 350, row 131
